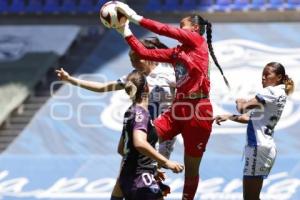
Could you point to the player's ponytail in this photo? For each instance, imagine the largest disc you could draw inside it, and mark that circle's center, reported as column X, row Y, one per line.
column 130, row 89
column 286, row 80
column 136, row 86
column 289, row 85
column 205, row 25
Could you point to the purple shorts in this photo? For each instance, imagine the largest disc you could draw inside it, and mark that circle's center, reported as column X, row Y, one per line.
column 142, row 186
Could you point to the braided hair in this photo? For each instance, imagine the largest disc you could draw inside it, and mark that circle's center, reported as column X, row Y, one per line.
column 206, row 26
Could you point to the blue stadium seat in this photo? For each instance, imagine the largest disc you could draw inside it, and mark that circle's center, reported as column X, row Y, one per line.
column 153, row 5
column 87, row 6
column 34, row 6
column 189, row 5
column 52, row 6
column 17, row 6
column 276, row 4
column 4, row 6
column 99, row 4
column 223, row 5
column 69, row 6
column 293, row 5
column 258, row 5
column 170, row 5
column 241, row 5
column 205, row 5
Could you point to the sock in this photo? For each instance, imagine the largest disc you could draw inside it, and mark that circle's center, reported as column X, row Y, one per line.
column 116, row 198
column 190, row 187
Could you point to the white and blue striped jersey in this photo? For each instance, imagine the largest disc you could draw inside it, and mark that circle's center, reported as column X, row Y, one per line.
column 263, row 120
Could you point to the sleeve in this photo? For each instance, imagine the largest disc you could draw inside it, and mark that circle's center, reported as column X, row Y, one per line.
column 159, row 55
column 141, row 121
column 183, row 36
column 265, row 96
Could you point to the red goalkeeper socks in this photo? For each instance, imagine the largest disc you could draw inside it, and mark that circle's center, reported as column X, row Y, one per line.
column 190, row 187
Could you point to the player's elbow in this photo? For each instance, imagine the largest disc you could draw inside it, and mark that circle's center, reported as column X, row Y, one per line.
column 139, row 145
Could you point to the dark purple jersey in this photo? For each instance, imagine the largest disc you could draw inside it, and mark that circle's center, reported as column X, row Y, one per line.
column 137, row 118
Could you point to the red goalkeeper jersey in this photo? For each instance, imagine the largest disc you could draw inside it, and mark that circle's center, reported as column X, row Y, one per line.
column 190, row 59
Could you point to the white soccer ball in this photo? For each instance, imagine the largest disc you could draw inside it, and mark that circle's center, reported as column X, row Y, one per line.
column 110, row 17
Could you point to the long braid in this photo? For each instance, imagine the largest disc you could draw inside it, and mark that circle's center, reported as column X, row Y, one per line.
column 211, row 50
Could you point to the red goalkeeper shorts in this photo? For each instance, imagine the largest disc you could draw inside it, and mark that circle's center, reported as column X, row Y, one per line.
column 193, row 119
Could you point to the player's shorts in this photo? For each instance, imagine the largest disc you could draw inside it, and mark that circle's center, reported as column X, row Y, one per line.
column 259, row 161
column 193, row 119
column 142, row 186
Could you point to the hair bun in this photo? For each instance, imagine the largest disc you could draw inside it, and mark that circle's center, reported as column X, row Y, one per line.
column 130, row 89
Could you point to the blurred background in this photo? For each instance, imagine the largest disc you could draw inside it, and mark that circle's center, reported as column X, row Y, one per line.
column 60, row 142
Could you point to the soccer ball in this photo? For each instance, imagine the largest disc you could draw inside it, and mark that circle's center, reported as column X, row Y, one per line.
column 110, row 17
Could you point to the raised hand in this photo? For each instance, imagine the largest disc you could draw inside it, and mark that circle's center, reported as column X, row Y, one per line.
column 129, row 13
column 124, row 30
column 62, row 74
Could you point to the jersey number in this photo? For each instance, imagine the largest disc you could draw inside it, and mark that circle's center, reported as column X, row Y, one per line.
column 148, row 178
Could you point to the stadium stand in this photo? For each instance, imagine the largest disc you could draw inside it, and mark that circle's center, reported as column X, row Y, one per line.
column 4, row 6
column 17, row 79
column 293, row 5
column 27, row 54
column 34, row 6
column 17, row 6
column 223, row 5
column 69, row 6
column 89, row 7
column 170, row 5
column 205, row 5
column 189, row 5
column 51, row 7
column 242, row 5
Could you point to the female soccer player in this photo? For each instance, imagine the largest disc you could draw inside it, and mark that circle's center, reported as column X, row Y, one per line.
column 138, row 141
column 191, row 112
column 161, row 81
column 265, row 111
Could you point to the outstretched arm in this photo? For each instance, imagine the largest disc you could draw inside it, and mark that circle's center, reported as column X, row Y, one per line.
column 89, row 85
column 183, row 36
column 159, row 55
column 244, row 118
